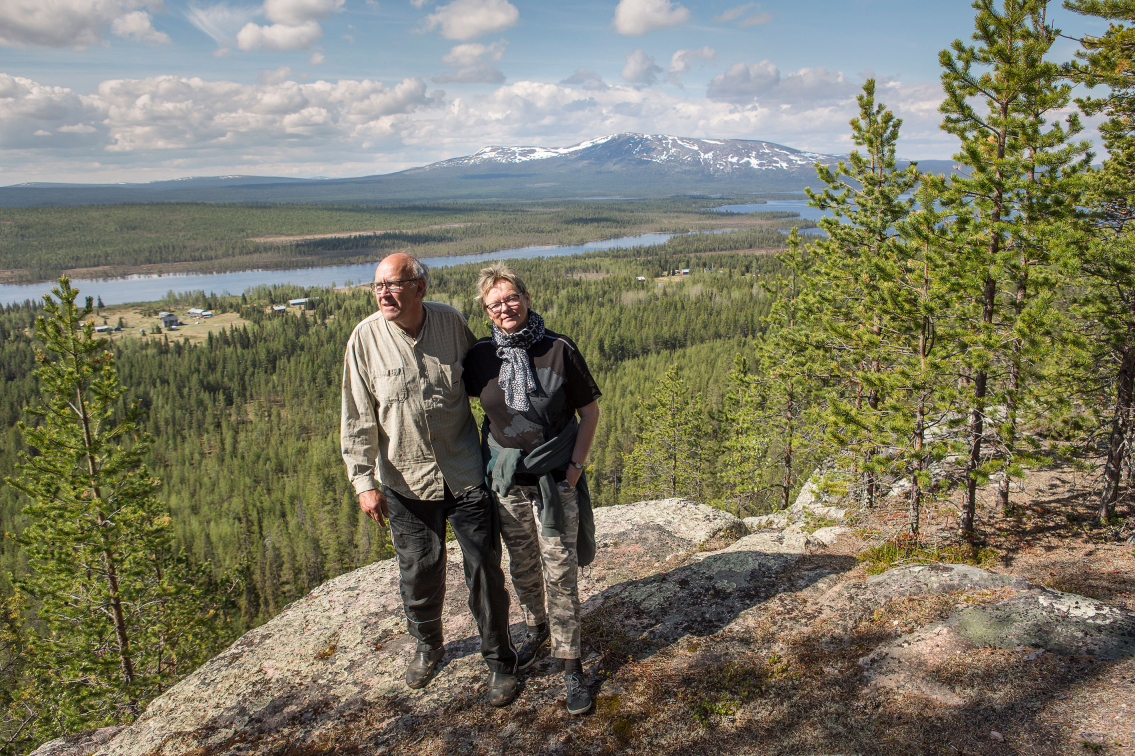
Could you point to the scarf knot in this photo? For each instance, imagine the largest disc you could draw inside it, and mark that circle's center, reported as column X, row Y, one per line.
column 516, row 378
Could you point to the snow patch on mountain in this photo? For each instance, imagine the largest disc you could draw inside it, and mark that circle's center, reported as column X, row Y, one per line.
column 710, row 155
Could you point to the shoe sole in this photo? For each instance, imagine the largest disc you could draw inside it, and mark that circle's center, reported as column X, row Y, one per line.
column 541, row 653
column 577, row 712
column 425, row 681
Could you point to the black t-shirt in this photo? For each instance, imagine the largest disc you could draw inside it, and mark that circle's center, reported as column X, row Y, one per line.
column 563, row 385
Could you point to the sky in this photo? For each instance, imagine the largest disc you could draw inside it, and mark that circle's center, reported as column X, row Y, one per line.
column 146, row 90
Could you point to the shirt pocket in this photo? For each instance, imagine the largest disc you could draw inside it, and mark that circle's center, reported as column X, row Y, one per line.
column 451, row 374
column 390, row 385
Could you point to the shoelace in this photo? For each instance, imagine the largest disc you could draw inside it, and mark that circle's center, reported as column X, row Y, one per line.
column 574, row 684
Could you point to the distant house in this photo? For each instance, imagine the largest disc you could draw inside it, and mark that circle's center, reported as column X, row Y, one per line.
column 168, row 319
column 207, row 314
column 102, row 329
column 195, row 311
column 641, row 278
column 305, row 303
column 685, row 271
column 279, row 308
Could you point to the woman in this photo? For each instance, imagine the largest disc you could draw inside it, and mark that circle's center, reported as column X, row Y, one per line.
column 532, row 383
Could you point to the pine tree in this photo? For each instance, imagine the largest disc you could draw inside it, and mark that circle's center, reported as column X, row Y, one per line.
column 667, row 458
column 1106, row 302
column 123, row 617
column 854, row 275
column 1008, row 197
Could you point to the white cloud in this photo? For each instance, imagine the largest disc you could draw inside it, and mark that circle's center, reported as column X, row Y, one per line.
column 634, row 18
column 278, row 76
column 29, row 109
column 683, row 60
column 222, row 21
column 299, row 12
column 763, row 82
column 640, row 69
column 168, row 126
column 585, row 78
column 733, row 14
column 317, row 58
column 76, row 23
column 137, row 25
column 296, row 25
column 468, row 19
column 279, row 36
column 755, row 20
column 472, row 62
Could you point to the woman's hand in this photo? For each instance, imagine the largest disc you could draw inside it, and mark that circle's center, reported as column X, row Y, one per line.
column 573, row 474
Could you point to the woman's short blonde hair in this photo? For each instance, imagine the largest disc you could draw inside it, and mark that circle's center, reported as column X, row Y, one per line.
column 493, row 275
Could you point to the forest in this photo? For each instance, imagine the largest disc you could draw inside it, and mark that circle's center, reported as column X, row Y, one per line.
column 948, row 332
column 40, row 243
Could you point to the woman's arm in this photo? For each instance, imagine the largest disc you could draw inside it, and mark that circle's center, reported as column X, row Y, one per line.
column 588, row 423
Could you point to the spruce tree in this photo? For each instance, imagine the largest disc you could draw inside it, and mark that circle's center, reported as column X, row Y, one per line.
column 999, row 93
column 667, row 460
column 122, row 616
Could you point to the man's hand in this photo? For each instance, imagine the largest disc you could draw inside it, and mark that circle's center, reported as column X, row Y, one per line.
column 573, row 474
column 373, row 504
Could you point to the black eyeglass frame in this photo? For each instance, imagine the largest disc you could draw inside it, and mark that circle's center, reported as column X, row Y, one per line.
column 511, row 300
column 393, row 287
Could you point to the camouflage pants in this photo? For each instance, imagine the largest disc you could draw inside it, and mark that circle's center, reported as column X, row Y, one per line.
column 544, row 566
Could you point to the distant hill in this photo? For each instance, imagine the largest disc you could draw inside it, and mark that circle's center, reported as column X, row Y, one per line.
column 620, row 165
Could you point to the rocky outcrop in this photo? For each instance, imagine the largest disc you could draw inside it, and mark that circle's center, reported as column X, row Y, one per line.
column 1022, row 616
column 680, row 596
column 326, row 673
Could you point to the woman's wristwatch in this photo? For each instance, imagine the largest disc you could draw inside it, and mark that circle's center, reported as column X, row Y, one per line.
column 576, row 465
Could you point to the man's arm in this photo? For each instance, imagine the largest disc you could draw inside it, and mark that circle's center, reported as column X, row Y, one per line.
column 358, row 437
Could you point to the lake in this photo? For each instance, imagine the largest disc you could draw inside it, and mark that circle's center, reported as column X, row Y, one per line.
column 799, row 206
column 148, row 288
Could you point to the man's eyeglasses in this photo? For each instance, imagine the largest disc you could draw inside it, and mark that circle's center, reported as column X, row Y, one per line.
column 392, row 286
column 512, row 300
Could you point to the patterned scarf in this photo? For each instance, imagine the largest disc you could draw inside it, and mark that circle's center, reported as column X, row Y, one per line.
column 516, row 379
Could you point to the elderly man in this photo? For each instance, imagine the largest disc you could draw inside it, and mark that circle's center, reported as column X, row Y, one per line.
column 412, row 451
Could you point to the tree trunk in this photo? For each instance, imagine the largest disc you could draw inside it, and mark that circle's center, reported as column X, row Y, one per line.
column 787, row 482
column 977, row 424
column 1117, row 439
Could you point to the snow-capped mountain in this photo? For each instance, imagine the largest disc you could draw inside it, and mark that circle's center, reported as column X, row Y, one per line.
column 712, row 156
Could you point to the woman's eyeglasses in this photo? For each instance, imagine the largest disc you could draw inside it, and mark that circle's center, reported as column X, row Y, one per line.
column 512, row 300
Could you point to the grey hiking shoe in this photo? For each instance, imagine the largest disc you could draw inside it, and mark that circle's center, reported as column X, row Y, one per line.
column 578, row 698
column 423, row 666
column 533, row 648
column 502, row 688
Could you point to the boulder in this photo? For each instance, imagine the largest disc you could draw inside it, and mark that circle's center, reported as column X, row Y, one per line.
column 326, row 673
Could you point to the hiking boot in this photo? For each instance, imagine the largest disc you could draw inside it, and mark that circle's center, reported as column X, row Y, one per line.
column 423, row 666
column 534, row 647
column 503, row 688
column 578, row 698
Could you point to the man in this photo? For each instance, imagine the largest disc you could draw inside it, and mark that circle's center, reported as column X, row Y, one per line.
column 414, row 457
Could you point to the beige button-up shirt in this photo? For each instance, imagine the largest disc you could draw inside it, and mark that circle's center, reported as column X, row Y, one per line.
column 406, row 421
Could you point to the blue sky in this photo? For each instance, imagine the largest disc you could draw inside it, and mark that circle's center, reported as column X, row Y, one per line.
column 140, row 90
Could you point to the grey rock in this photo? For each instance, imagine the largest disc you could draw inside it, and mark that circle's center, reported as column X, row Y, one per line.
column 924, row 579
column 328, row 669
column 79, row 743
column 766, row 522
column 1032, row 619
column 1061, row 623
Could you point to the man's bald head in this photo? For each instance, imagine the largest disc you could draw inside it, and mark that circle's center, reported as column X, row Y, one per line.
column 403, row 307
column 400, row 267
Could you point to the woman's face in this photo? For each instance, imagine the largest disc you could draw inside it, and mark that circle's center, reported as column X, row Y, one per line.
column 507, row 308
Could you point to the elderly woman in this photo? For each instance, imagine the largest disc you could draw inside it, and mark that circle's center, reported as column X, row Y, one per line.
column 532, row 383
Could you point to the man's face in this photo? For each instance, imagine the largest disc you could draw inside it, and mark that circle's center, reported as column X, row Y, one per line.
column 398, row 307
